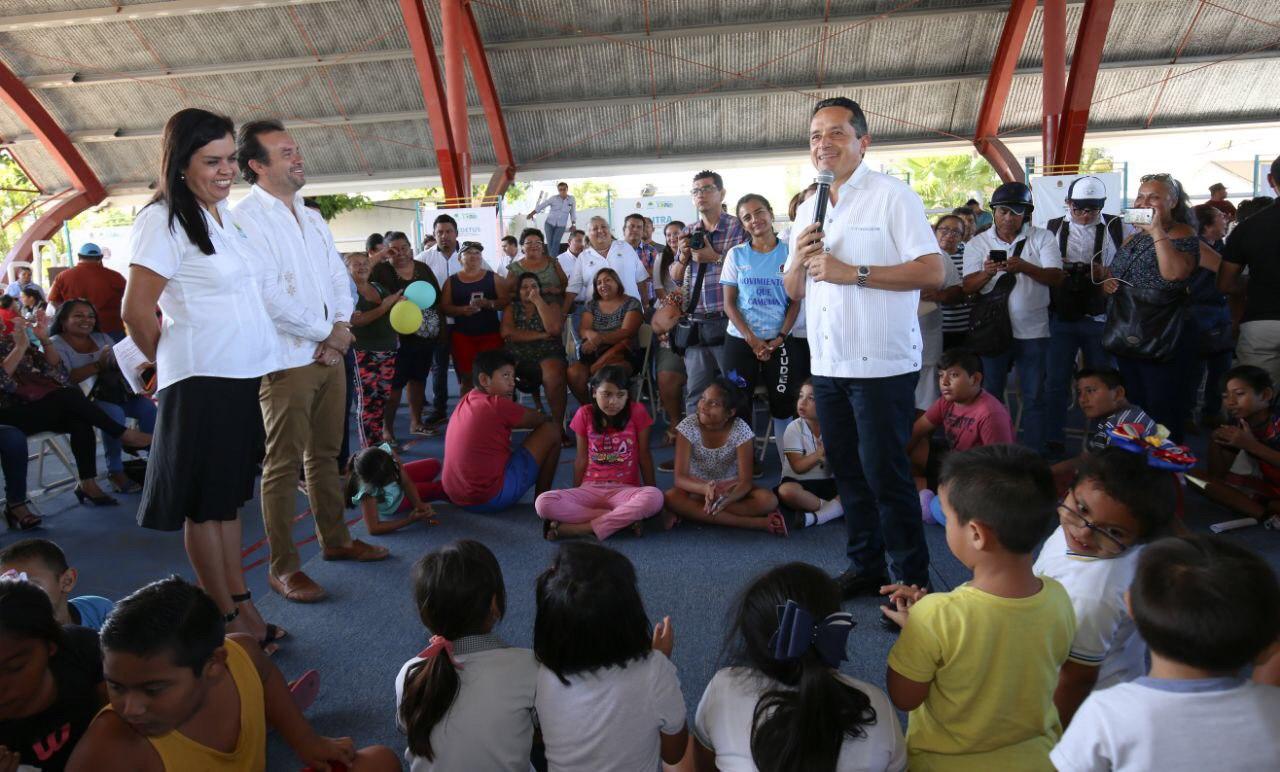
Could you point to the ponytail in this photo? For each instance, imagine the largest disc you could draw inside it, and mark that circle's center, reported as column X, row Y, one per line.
column 803, row 729
column 430, row 687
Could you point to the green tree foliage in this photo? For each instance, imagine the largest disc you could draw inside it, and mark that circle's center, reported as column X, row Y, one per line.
column 946, row 181
column 590, row 194
column 332, row 206
column 515, row 191
column 1096, row 160
column 15, row 194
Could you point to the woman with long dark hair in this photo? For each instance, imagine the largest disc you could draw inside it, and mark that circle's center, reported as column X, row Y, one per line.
column 192, row 258
column 417, row 349
column 87, row 353
column 782, row 704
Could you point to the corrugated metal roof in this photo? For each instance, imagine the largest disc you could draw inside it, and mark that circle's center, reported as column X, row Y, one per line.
column 743, row 73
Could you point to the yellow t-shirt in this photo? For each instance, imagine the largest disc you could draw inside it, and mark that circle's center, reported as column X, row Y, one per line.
column 992, row 665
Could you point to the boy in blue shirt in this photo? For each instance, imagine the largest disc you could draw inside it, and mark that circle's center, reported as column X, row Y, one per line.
column 45, row 566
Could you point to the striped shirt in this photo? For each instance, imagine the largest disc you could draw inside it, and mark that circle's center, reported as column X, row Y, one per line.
column 955, row 318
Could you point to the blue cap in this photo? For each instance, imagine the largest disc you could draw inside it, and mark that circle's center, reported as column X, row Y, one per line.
column 89, row 249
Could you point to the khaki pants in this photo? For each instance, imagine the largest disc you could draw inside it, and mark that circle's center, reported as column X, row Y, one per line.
column 303, row 410
column 1259, row 345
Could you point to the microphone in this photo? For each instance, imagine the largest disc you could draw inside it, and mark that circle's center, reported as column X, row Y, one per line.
column 823, row 194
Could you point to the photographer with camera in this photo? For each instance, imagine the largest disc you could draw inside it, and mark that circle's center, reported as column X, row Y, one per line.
column 1088, row 240
column 703, row 246
column 1014, row 247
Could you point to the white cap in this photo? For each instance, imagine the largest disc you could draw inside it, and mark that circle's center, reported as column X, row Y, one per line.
column 1087, row 189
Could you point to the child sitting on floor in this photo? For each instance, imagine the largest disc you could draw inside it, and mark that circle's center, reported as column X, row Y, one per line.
column 977, row 666
column 45, row 566
column 807, row 491
column 466, row 701
column 608, row 697
column 481, row 471
column 1117, row 503
column 1249, row 443
column 1207, row 609
column 50, row 680
column 1102, row 399
column 784, row 704
column 613, row 458
column 383, row 487
column 186, row 695
column 970, row 417
column 713, row 466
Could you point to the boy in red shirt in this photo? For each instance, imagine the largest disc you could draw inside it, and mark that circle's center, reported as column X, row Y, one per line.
column 481, row 471
column 970, row 417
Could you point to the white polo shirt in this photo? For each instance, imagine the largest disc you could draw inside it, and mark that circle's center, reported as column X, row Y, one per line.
column 1029, row 301
column 857, row 332
column 305, row 280
column 621, row 258
column 215, row 315
column 442, row 265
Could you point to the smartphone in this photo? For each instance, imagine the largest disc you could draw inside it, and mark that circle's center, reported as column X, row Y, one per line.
column 1137, row 216
column 149, row 379
column 476, row 297
column 997, row 256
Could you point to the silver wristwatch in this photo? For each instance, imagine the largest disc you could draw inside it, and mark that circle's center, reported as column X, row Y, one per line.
column 864, row 273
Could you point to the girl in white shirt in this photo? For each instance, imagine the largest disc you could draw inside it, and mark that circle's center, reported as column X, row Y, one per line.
column 466, row 701
column 608, row 696
column 784, row 704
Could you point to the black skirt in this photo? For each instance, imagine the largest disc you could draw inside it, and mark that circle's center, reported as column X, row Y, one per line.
column 205, row 452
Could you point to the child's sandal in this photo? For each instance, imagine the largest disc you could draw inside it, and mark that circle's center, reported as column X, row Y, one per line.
column 778, row 524
column 550, row 530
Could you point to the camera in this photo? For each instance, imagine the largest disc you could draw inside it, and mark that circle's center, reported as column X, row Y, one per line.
column 697, row 240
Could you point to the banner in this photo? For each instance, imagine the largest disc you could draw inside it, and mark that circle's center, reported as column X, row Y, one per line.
column 660, row 209
column 478, row 223
column 1050, row 195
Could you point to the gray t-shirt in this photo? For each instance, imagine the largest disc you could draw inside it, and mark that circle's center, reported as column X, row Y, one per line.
column 73, row 358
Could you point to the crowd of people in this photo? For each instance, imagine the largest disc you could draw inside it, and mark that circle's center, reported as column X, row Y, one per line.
column 915, row 374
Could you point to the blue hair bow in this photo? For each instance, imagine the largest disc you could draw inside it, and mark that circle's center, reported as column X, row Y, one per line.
column 797, row 632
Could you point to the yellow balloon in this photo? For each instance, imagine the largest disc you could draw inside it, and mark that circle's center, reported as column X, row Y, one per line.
column 406, row 317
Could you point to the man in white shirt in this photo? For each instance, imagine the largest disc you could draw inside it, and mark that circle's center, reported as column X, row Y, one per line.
column 562, row 213
column 859, row 272
column 444, row 259
column 1031, row 254
column 568, row 260
column 1087, row 241
column 303, row 401
column 633, row 227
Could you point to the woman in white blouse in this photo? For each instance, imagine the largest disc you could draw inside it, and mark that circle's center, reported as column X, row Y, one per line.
column 210, row 349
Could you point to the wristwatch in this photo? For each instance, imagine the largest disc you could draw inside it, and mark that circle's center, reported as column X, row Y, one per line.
column 864, row 273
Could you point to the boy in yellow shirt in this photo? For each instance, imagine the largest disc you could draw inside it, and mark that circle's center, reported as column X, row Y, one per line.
column 976, row 667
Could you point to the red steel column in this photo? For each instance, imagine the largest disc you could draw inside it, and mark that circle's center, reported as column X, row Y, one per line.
column 89, row 189
column 453, row 18
column 999, row 83
column 1084, row 76
column 1054, row 74
column 483, row 78
column 424, row 57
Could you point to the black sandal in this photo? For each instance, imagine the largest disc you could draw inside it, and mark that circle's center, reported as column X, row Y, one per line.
column 274, row 632
column 550, row 530
column 21, row 522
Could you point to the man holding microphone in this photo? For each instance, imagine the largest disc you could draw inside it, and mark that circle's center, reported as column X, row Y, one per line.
column 859, row 268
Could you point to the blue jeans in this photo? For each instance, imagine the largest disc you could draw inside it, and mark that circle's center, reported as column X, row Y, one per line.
column 13, row 459
column 141, row 408
column 554, row 234
column 1029, row 357
column 1065, row 339
column 353, row 381
column 866, row 423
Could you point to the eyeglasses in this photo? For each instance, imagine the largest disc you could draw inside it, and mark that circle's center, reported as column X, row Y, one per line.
column 1162, row 176
column 951, row 231
column 1106, row 543
column 703, row 189
column 1085, row 209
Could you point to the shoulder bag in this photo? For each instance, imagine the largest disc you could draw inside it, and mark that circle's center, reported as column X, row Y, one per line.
column 1145, row 322
column 990, row 329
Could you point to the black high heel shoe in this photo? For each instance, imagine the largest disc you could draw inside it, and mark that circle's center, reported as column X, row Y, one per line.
column 102, row 500
column 21, row 522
